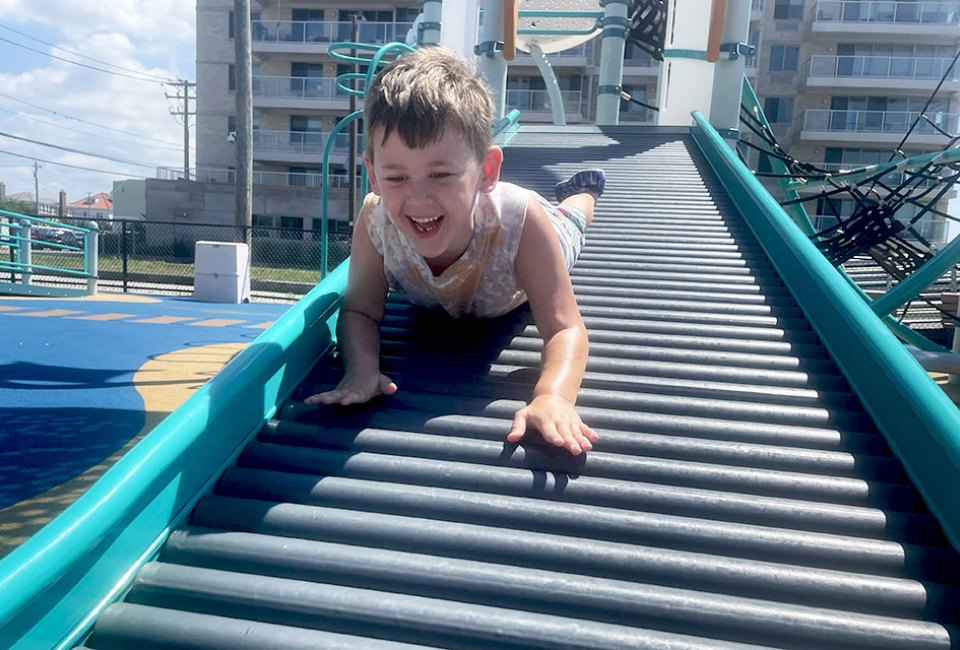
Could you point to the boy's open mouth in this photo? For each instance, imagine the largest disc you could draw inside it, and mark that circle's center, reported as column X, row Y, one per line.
column 425, row 225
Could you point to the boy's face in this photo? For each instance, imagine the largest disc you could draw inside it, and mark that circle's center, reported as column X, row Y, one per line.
column 430, row 193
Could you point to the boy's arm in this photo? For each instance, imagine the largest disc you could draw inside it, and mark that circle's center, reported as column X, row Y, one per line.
column 358, row 333
column 543, row 275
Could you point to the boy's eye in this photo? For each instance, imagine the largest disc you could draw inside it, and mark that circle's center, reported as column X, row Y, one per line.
column 440, row 175
column 396, row 179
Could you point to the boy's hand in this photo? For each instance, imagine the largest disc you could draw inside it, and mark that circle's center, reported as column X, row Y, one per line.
column 354, row 389
column 558, row 422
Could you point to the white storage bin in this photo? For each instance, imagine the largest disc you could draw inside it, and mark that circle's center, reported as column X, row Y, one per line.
column 221, row 272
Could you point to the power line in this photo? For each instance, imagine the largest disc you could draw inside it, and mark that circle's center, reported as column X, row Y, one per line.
column 84, row 56
column 67, row 128
column 69, row 150
column 83, row 65
column 70, row 117
column 86, row 169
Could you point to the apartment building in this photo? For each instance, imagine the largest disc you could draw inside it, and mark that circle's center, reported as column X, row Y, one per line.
column 840, row 81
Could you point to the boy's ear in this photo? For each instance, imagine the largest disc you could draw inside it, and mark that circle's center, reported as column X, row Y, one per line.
column 490, row 169
column 371, row 175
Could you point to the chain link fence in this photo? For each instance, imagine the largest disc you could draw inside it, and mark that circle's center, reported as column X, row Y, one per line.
column 158, row 257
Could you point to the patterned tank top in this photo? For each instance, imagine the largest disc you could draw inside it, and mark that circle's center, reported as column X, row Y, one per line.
column 483, row 282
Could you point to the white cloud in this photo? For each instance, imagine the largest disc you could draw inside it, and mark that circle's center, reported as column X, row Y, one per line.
column 144, row 37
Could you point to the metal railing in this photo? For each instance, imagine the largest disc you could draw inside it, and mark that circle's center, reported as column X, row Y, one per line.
column 324, row 31
column 145, row 256
column 893, row 122
column 275, row 179
column 584, row 51
column 32, row 246
column 299, row 142
column 882, row 67
column 281, row 87
column 891, row 179
column 872, row 11
column 539, row 100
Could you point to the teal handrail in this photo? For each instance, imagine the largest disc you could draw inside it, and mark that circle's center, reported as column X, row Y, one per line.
column 373, row 64
column 919, row 422
column 22, row 243
column 56, row 583
column 325, row 189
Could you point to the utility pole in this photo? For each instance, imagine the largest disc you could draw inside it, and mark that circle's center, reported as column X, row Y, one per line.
column 182, row 109
column 244, row 105
column 36, row 188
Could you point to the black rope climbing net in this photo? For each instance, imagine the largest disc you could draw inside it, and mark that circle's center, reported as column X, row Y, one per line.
column 873, row 227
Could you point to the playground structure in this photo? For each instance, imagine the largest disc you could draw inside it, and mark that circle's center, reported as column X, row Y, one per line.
column 775, row 469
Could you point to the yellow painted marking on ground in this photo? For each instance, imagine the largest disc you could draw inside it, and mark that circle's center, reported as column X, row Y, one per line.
column 107, row 316
column 50, row 313
column 167, row 381
column 951, row 388
column 217, row 322
column 163, row 320
column 164, row 383
column 261, row 326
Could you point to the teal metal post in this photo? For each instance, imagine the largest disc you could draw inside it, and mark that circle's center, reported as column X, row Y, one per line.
column 25, row 253
column 91, row 256
column 616, row 26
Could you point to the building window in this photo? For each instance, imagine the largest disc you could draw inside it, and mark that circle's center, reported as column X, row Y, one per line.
column 291, row 227
column 778, row 109
column 231, row 77
column 261, row 226
column 788, row 9
column 783, row 58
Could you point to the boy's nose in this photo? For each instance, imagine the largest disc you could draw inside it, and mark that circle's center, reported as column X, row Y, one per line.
column 421, row 190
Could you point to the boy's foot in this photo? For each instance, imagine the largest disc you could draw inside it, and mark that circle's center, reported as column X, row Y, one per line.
column 588, row 181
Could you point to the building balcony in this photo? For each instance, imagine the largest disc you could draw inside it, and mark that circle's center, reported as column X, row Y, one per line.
column 887, row 73
column 300, row 147
column 643, row 66
column 637, row 114
column 925, row 19
column 892, row 179
column 313, row 37
column 275, row 179
column 299, row 93
column 877, row 127
column 535, row 104
column 580, row 56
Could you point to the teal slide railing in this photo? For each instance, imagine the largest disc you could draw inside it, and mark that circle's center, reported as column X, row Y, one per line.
column 920, row 423
column 59, row 580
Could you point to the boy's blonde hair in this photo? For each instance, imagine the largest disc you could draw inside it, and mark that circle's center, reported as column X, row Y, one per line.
column 423, row 93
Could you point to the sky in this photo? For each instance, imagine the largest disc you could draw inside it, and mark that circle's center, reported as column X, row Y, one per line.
column 87, row 76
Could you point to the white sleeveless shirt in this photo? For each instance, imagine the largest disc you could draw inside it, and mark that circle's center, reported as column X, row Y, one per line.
column 483, row 282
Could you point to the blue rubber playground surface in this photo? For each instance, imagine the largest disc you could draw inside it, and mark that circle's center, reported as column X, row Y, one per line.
column 78, row 376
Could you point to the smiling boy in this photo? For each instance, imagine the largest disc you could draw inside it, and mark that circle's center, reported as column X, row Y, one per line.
column 442, row 229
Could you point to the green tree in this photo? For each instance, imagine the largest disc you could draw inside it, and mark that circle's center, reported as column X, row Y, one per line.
column 13, row 205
